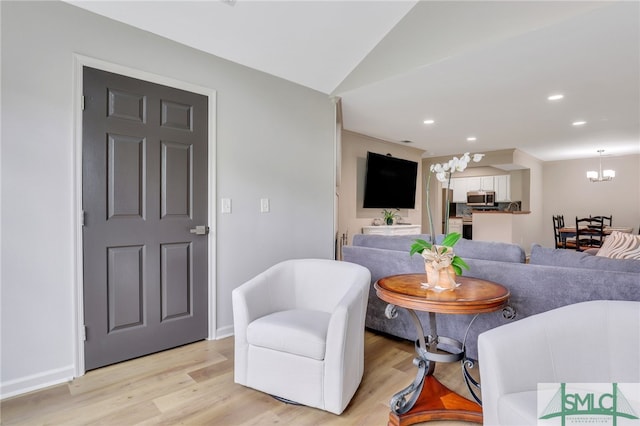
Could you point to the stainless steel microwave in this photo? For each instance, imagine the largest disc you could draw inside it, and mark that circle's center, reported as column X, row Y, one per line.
column 481, row 198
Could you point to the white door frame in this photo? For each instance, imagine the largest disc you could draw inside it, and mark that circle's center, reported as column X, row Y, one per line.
column 78, row 297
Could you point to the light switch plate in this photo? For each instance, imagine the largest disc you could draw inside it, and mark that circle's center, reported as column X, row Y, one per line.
column 225, row 205
column 264, row 205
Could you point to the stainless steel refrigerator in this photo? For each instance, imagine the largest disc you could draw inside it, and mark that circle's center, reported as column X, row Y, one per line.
column 452, row 207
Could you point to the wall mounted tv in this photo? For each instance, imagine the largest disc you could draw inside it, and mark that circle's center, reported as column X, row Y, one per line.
column 389, row 182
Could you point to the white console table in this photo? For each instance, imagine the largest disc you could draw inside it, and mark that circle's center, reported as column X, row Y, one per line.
column 392, row 230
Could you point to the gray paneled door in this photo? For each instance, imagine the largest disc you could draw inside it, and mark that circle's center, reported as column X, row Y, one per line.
column 144, row 174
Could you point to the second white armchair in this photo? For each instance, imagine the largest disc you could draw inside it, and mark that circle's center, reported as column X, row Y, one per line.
column 589, row 342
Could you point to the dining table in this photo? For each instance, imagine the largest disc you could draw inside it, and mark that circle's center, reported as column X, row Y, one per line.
column 570, row 231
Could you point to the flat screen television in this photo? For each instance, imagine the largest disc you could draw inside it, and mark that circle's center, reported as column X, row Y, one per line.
column 389, row 182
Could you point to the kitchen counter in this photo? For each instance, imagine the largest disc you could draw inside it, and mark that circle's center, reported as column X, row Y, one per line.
column 507, row 227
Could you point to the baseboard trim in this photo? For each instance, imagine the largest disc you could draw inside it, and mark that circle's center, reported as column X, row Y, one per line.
column 57, row 376
column 36, row 381
column 223, row 332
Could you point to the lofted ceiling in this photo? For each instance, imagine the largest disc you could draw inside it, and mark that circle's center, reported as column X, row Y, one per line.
column 477, row 68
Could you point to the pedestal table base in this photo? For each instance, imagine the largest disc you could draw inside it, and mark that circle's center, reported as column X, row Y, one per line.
column 438, row 402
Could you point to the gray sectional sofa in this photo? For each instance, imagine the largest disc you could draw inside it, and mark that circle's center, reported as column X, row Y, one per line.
column 551, row 279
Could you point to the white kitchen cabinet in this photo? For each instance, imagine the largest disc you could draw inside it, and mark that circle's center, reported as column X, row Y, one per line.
column 487, row 183
column 499, row 184
column 459, row 187
column 503, row 188
column 473, row 183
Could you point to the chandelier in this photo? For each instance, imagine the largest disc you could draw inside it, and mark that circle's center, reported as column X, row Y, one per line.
column 601, row 175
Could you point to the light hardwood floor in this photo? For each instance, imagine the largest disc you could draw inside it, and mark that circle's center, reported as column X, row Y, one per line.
column 193, row 385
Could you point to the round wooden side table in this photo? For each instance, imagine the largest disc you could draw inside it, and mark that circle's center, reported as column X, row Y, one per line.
column 426, row 398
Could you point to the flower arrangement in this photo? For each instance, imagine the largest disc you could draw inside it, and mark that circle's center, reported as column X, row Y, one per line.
column 441, row 263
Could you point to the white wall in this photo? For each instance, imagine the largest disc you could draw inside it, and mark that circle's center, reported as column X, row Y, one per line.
column 533, row 191
column 567, row 191
column 274, row 139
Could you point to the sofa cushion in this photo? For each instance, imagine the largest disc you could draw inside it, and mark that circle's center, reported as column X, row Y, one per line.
column 489, row 250
column 574, row 259
column 466, row 249
column 620, row 245
column 297, row 331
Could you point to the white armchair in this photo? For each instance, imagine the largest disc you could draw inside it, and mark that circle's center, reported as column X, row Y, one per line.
column 299, row 331
column 589, row 342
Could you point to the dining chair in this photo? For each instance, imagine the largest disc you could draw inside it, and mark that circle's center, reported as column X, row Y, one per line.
column 589, row 233
column 556, row 231
column 558, row 222
column 608, row 220
column 561, row 242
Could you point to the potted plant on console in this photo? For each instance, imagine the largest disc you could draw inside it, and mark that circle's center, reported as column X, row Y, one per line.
column 388, row 216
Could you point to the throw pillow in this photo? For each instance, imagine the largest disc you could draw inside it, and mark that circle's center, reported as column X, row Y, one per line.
column 620, row 245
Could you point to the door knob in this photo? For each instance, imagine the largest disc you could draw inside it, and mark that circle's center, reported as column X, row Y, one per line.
column 200, row 230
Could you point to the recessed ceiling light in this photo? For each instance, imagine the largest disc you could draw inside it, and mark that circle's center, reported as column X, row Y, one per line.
column 472, row 139
column 555, row 97
column 428, row 121
column 579, row 123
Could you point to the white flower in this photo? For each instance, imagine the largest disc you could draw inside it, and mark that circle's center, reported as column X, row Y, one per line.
column 461, row 166
column 453, row 163
column 437, row 168
column 443, row 171
column 477, row 157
